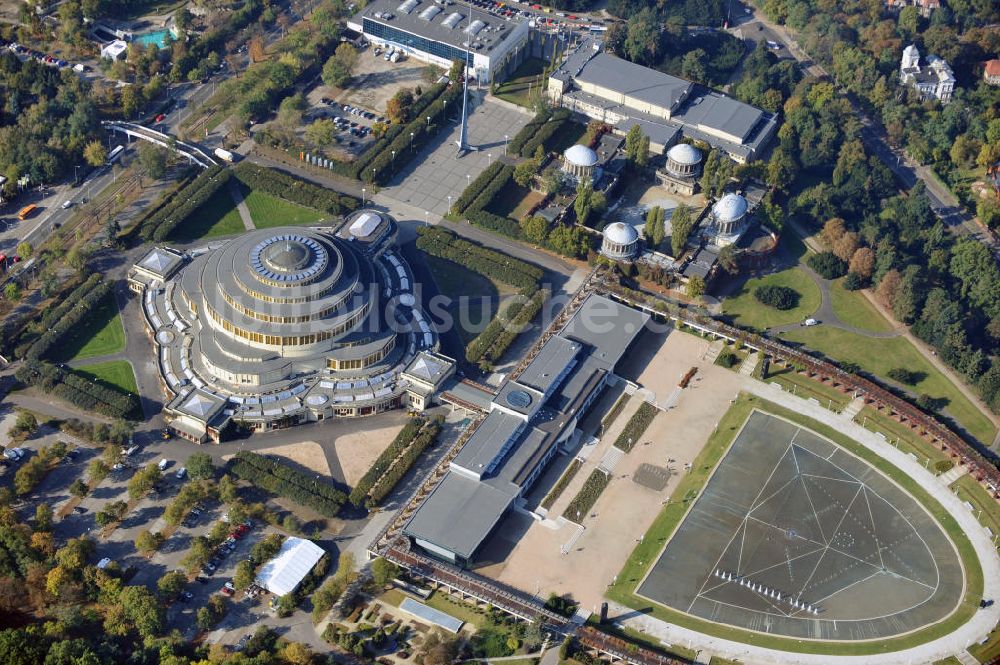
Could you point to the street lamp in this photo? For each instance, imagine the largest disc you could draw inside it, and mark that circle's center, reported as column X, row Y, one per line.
column 505, row 139
column 428, row 121
column 363, row 190
column 468, row 179
column 426, row 220
column 393, row 159
column 489, row 158
column 449, row 202
column 411, row 141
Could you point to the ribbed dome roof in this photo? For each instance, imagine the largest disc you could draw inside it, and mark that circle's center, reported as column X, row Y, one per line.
column 684, row 153
column 287, row 256
column 580, row 155
column 623, row 234
column 730, row 208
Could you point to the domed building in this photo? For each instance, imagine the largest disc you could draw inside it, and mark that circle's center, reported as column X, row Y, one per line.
column 621, row 242
column 728, row 219
column 284, row 325
column 680, row 174
column 580, row 162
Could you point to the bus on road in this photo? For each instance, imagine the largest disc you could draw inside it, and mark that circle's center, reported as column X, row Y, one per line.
column 26, row 212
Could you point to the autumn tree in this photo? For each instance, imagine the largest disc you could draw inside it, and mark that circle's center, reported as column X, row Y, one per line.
column 339, row 68
column 862, row 262
column 95, row 154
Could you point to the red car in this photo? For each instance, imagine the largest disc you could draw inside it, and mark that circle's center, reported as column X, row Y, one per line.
column 159, row 118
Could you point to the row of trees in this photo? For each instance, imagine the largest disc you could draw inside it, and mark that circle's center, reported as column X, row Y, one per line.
column 157, row 225
column 512, row 319
column 282, row 480
column 77, row 390
column 290, row 188
column 386, row 460
column 490, row 263
column 70, row 314
column 34, row 470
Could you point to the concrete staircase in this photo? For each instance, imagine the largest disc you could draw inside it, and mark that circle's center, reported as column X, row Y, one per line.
column 714, row 350
column 966, row 658
column 749, row 364
column 956, row 472
column 611, row 459
column 853, row 408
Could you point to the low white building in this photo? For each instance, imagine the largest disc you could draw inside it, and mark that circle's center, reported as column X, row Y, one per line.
column 115, row 50
column 283, row 574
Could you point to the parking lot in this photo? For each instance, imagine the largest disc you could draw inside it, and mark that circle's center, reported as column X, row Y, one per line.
column 376, row 80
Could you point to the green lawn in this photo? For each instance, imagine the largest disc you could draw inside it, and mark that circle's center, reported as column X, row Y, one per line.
column 216, row 217
column 807, row 387
column 474, row 298
column 528, row 76
column 968, row 489
column 101, row 334
column 647, row 552
column 853, row 308
column 878, row 356
column 219, row 216
column 509, row 199
column 748, row 313
column 902, row 436
column 268, row 211
column 116, row 373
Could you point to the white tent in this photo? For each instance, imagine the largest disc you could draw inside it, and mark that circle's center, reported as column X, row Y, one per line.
column 282, row 574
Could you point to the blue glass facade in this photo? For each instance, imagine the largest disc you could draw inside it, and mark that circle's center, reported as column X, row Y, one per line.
column 408, row 39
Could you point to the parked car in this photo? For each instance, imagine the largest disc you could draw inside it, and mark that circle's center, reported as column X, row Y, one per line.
column 164, row 463
column 181, row 472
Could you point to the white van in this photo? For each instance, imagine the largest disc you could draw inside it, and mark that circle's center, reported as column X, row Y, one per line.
column 164, row 463
column 181, row 472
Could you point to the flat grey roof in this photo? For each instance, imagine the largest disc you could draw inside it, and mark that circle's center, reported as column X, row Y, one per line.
column 553, row 358
column 520, row 398
column 490, row 36
column 722, row 113
column 607, row 326
column 460, row 513
column 642, row 83
column 487, row 441
column 700, row 264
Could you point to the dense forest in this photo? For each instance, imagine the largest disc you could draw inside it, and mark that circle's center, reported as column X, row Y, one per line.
column 46, row 120
column 861, row 43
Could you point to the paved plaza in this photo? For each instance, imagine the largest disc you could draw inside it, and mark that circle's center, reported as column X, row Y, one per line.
column 437, row 173
column 795, row 536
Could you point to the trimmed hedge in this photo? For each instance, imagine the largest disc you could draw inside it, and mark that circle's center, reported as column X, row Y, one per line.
column 383, row 163
column 444, row 244
column 516, row 144
column 394, row 462
column 636, row 426
column 501, row 332
column 560, row 486
column 469, row 194
column 187, row 199
column 282, row 480
column 77, row 390
column 587, row 496
column 545, row 132
column 290, row 188
column 385, row 460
